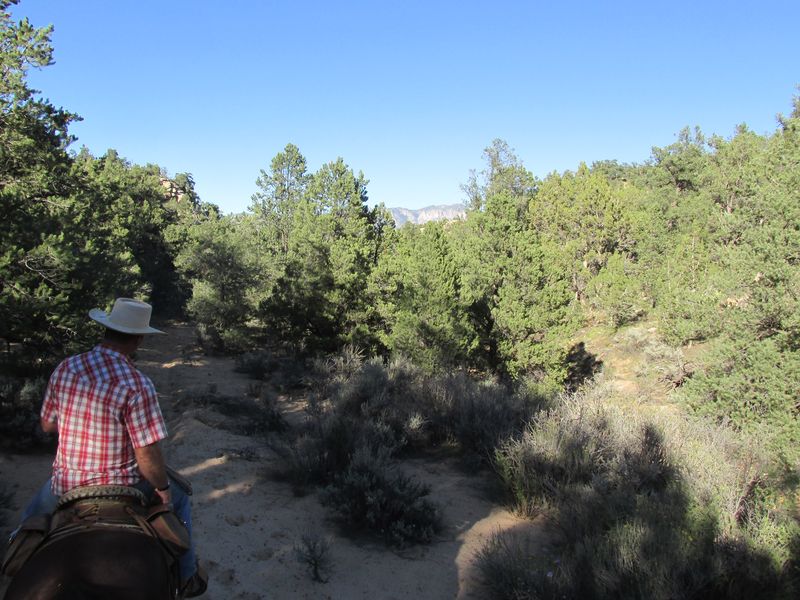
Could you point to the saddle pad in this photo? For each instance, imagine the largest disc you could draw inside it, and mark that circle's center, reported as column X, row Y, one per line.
column 30, row 536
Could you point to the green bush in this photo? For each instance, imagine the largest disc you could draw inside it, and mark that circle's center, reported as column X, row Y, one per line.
column 20, row 402
column 372, row 496
column 617, row 292
column 209, row 338
column 236, row 340
column 752, row 384
column 215, row 340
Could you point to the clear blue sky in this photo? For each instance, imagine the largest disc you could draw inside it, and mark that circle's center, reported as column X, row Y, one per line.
column 409, row 92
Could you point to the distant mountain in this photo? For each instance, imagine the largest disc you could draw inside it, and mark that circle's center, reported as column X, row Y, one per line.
column 441, row 212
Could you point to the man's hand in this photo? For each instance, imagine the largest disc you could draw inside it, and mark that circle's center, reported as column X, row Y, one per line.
column 166, row 496
column 49, row 426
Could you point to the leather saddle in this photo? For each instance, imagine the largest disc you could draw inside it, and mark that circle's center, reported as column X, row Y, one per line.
column 99, row 507
column 102, row 506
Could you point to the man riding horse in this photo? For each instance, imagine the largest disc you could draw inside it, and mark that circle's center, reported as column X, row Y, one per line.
column 109, row 425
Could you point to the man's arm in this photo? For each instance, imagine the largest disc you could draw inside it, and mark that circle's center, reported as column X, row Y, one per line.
column 49, row 426
column 48, row 415
column 154, row 469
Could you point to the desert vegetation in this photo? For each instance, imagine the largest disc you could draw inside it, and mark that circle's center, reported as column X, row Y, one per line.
column 643, row 508
column 467, row 336
column 640, row 505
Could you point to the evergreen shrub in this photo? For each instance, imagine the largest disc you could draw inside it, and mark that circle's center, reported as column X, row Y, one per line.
column 752, row 384
column 209, row 338
column 20, row 403
column 235, row 340
column 617, row 292
column 217, row 340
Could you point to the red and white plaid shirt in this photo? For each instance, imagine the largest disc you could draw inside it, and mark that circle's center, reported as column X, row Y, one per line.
column 104, row 408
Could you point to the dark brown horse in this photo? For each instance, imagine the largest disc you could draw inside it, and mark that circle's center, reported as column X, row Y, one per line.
column 103, row 543
column 96, row 564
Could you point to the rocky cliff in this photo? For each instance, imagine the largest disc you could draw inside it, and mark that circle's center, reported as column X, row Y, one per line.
column 442, row 212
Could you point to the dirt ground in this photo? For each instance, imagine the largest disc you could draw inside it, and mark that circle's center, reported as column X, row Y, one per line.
column 247, row 525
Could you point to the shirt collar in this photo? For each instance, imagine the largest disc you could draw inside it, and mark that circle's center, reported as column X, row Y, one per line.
column 103, row 349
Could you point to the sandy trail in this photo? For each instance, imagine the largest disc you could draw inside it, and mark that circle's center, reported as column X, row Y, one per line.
column 247, row 525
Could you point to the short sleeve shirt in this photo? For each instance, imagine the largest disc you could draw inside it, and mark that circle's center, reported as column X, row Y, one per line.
column 104, row 408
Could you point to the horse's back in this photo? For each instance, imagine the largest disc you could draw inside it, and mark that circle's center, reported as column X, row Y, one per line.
column 116, row 564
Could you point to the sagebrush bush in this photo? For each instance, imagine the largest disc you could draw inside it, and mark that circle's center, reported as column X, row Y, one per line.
column 642, row 509
column 364, row 413
column 663, row 363
column 256, row 364
column 552, row 452
column 476, row 414
column 314, row 551
column 372, row 496
column 283, row 369
column 363, row 391
column 346, row 362
column 425, row 410
column 513, row 567
column 327, row 445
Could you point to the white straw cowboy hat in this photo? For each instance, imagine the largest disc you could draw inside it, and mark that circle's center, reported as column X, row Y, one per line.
column 127, row 316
